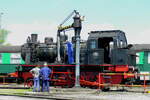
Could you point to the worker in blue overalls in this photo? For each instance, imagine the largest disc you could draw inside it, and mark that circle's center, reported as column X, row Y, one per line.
column 45, row 75
column 70, row 53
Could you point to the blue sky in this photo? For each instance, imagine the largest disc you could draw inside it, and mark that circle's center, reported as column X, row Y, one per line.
column 23, row 17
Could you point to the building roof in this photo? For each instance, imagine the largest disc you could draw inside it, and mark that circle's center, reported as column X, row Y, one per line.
column 10, row 49
column 141, row 47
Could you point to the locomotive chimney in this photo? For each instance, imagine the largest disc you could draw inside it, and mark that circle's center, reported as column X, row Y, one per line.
column 34, row 38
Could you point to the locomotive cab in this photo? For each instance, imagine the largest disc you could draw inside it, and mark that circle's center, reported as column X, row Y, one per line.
column 107, row 47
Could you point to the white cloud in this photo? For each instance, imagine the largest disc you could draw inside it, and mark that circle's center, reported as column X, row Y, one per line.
column 19, row 32
column 133, row 36
column 95, row 27
column 141, row 37
column 137, row 36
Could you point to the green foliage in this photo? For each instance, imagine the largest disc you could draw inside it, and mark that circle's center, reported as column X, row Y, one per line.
column 3, row 35
column 7, row 44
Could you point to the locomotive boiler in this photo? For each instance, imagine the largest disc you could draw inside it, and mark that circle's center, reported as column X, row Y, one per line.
column 34, row 52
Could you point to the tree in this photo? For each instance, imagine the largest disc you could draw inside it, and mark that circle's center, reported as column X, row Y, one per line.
column 3, row 35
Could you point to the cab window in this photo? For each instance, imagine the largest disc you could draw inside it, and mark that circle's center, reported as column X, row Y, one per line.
column 92, row 44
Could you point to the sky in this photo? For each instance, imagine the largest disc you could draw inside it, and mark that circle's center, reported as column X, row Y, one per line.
column 23, row 17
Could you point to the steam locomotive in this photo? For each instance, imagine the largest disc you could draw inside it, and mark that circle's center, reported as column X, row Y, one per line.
column 85, row 63
column 103, row 52
column 102, row 47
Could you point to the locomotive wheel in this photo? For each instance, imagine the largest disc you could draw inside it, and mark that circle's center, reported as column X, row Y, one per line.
column 29, row 82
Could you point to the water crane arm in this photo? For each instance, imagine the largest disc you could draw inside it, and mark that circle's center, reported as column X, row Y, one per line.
column 68, row 17
column 76, row 25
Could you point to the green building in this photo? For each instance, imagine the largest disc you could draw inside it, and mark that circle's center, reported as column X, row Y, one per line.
column 142, row 59
column 143, row 56
column 10, row 58
column 9, row 62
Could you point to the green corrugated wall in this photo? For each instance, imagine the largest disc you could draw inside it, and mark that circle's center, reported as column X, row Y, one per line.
column 143, row 64
column 22, row 61
column 6, row 66
column 5, row 58
column 141, row 57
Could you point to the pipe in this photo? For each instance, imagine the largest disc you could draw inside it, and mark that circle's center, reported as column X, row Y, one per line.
column 77, row 28
column 58, row 46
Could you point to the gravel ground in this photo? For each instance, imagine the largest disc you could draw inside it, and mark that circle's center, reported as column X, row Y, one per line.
column 19, row 98
column 125, row 96
column 107, row 96
column 77, row 94
column 128, row 94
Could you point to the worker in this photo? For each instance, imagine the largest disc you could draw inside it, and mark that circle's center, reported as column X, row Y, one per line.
column 36, row 72
column 45, row 75
column 70, row 53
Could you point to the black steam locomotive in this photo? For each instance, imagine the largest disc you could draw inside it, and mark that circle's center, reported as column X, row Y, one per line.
column 103, row 52
column 102, row 47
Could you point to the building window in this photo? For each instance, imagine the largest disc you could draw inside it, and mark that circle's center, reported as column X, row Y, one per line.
column 15, row 58
column 137, row 58
column 148, row 58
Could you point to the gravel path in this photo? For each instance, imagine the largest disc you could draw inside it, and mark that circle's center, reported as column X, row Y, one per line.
column 125, row 96
column 78, row 94
column 19, row 98
column 100, row 96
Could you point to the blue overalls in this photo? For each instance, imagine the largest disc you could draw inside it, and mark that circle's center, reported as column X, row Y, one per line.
column 36, row 84
column 45, row 73
column 35, row 72
column 70, row 53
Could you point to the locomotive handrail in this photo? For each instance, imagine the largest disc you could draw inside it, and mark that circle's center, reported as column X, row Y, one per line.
column 67, row 65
